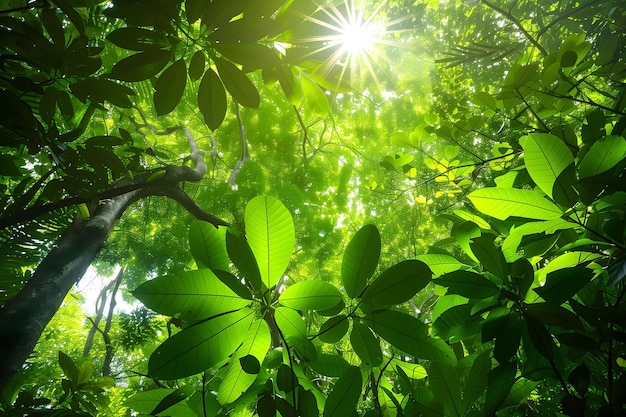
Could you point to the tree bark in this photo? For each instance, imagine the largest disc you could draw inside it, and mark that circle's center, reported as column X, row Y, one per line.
column 23, row 318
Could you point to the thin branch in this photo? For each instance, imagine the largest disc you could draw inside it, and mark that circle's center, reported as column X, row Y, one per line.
column 244, row 156
column 519, row 26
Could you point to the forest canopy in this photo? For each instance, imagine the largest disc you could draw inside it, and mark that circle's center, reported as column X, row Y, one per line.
column 312, row 208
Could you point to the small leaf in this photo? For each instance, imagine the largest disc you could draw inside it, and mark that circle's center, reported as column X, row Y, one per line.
column 342, row 400
column 212, row 99
column 196, row 66
column 69, row 367
column 329, row 365
column 360, row 260
column 502, row 203
column 489, row 256
column 310, row 295
column 314, row 97
column 237, row 83
column 286, row 380
column 169, row 88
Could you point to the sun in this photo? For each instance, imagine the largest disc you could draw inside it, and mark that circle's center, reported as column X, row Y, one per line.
column 353, row 37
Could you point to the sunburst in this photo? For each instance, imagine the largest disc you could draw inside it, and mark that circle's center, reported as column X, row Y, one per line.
column 354, row 38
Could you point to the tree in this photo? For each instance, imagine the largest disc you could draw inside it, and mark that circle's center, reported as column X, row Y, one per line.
column 520, row 306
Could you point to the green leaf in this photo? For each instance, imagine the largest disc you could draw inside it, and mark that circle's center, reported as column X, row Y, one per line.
column 489, row 256
column 212, row 99
column 314, row 97
column 342, row 400
column 397, row 284
column 444, row 383
column 169, row 88
column 540, row 338
column 360, row 260
column 196, row 66
column 201, row 346
column 440, row 264
column 310, row 295
column 290, row 323
column 240, row 253
column 208, row 245
column 190, row 295
column 468, row 284
column 412, row 370
column 334, row 329
column 69, row 367
column 603, row 155
column 563, row 284
column 365, row 345
column 250, row 55
column 271, row 235
column 329, row 365
column 546, row 156
column 140, row 66
column 145, row 402
column 237, row 83
column 135, row 39
column 286, row 379
column 236, row 381
column 476, row 381
column 409, row 335
column 500, row 381
column 175, row 397
column 502, row 203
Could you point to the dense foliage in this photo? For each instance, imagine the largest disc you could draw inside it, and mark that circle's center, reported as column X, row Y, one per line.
column 422, row 219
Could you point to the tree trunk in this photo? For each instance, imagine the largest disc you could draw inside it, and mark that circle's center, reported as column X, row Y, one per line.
column 23, row 318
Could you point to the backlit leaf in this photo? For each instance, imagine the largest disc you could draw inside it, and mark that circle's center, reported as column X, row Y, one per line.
column 360, row 260
column 546, row 157
column 271, row 235
column 603, row 155
column 201, row 346
column 342, row 400
column 190, row 295
column 562, row 284
column 365, row 345
column 208, row 245
column 310, row 295
column 503, row 203
column 334, row 329
column 444, row 383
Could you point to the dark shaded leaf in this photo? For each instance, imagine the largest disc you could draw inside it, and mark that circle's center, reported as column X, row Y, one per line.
column 212, row 99
column 360, row 260
column 238, row 84
column 365, row 345
column 564, row 283
column 169, row 88
column 342, row 400
column 175, row 397
column 140, row 66
column 468, row 284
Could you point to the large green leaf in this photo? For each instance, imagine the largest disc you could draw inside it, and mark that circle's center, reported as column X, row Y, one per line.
column 256, row 343
column 397, row 284
column 329, row 365
column 489, row 256
column 243, row 258
column 444, row 383
column 440, row 264
column 334, row 329
column 237, row 83
column 365, row 345
column 546, row 156
column 169, row 88
column 201, row 346
column 271, row 235
column 503, row 203
column 140, row 66
column 212, row 99
column 476, row 381
column 146, row 401
column 409, row 335
column 342, row 400
column 290, row 323
column 208, row 245
column 191, row 295
column 360, row 260
column 603, row 155
column 500, row 381
column 564, row 283
column 310, row 295
column 468, row 284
